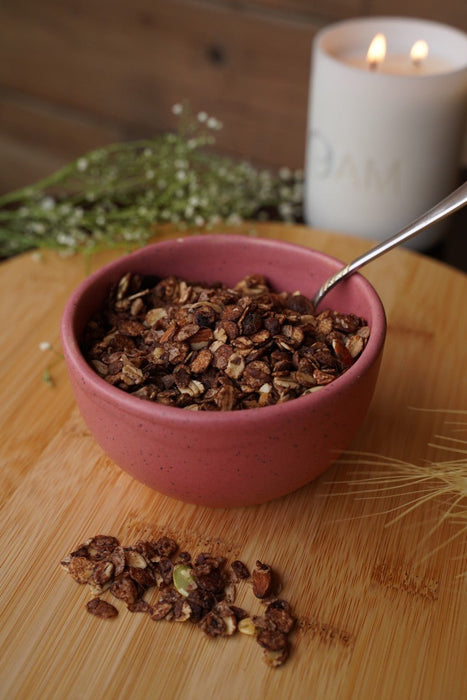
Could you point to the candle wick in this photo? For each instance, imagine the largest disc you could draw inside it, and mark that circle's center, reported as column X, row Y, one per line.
column 372, row 65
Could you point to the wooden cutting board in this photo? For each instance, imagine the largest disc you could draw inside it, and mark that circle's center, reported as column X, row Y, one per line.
column 380, row 604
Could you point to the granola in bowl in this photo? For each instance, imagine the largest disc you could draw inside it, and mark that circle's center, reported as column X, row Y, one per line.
column 211, row 347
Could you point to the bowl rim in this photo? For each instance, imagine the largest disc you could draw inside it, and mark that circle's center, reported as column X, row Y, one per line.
column 149, row 410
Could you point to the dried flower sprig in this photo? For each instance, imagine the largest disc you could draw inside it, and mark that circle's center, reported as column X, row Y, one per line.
column 443, row 481
column 117, row 194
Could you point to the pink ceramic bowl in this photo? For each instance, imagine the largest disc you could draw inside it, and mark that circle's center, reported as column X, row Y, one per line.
column 232, row 458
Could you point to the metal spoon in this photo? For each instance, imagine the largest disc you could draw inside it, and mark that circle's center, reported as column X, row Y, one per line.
column 456, row 200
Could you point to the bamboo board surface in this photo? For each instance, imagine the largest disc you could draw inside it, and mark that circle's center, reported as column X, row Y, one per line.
column 380, row 605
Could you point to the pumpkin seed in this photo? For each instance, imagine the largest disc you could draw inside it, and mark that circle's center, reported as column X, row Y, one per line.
column 183, row 579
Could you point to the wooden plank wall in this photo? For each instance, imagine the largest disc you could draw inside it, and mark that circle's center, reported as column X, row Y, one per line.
column 77, row 74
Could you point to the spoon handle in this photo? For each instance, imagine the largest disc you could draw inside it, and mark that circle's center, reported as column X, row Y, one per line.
column 454, row 201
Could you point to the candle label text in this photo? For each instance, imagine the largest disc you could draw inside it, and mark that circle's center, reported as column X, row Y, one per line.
column 326, row 163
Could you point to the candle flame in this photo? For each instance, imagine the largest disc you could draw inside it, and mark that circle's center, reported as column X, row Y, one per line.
column 419, row 52
column 376, row 51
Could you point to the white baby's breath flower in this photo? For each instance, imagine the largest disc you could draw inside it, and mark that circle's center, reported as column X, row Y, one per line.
column 286, row 210
column 45, row 345
column 177, row 108
column 48, row 203
column 38, row 227
column 234, row 219
column 81, row 164
column 297, row 195
column 202, row 117
column 199, row 221
column 66, row 240
column 181, row 175
column 149, row 174
column 285, row 174
column 213, row 123
column 129, row 235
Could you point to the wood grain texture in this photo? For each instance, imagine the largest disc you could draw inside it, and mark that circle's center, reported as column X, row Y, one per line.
column 81, row 73
column 36, row 139
column 127, row 65
column 305, row 9
column 376, row 617
column 454, row 12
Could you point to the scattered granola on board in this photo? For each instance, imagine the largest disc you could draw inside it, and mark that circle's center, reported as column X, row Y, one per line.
column 201, row 591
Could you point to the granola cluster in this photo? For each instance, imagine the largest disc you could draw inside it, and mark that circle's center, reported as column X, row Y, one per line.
column 209, row 348
column 201, row 591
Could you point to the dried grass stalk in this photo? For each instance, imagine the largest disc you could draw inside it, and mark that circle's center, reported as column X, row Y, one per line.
column 442, row 480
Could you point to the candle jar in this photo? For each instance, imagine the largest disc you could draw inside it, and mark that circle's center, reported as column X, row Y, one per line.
column 383, row 145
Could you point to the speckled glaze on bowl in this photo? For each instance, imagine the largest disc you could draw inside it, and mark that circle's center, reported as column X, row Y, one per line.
column 235, row 458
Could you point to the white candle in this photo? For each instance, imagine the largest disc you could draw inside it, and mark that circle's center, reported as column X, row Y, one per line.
column 385, row 135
